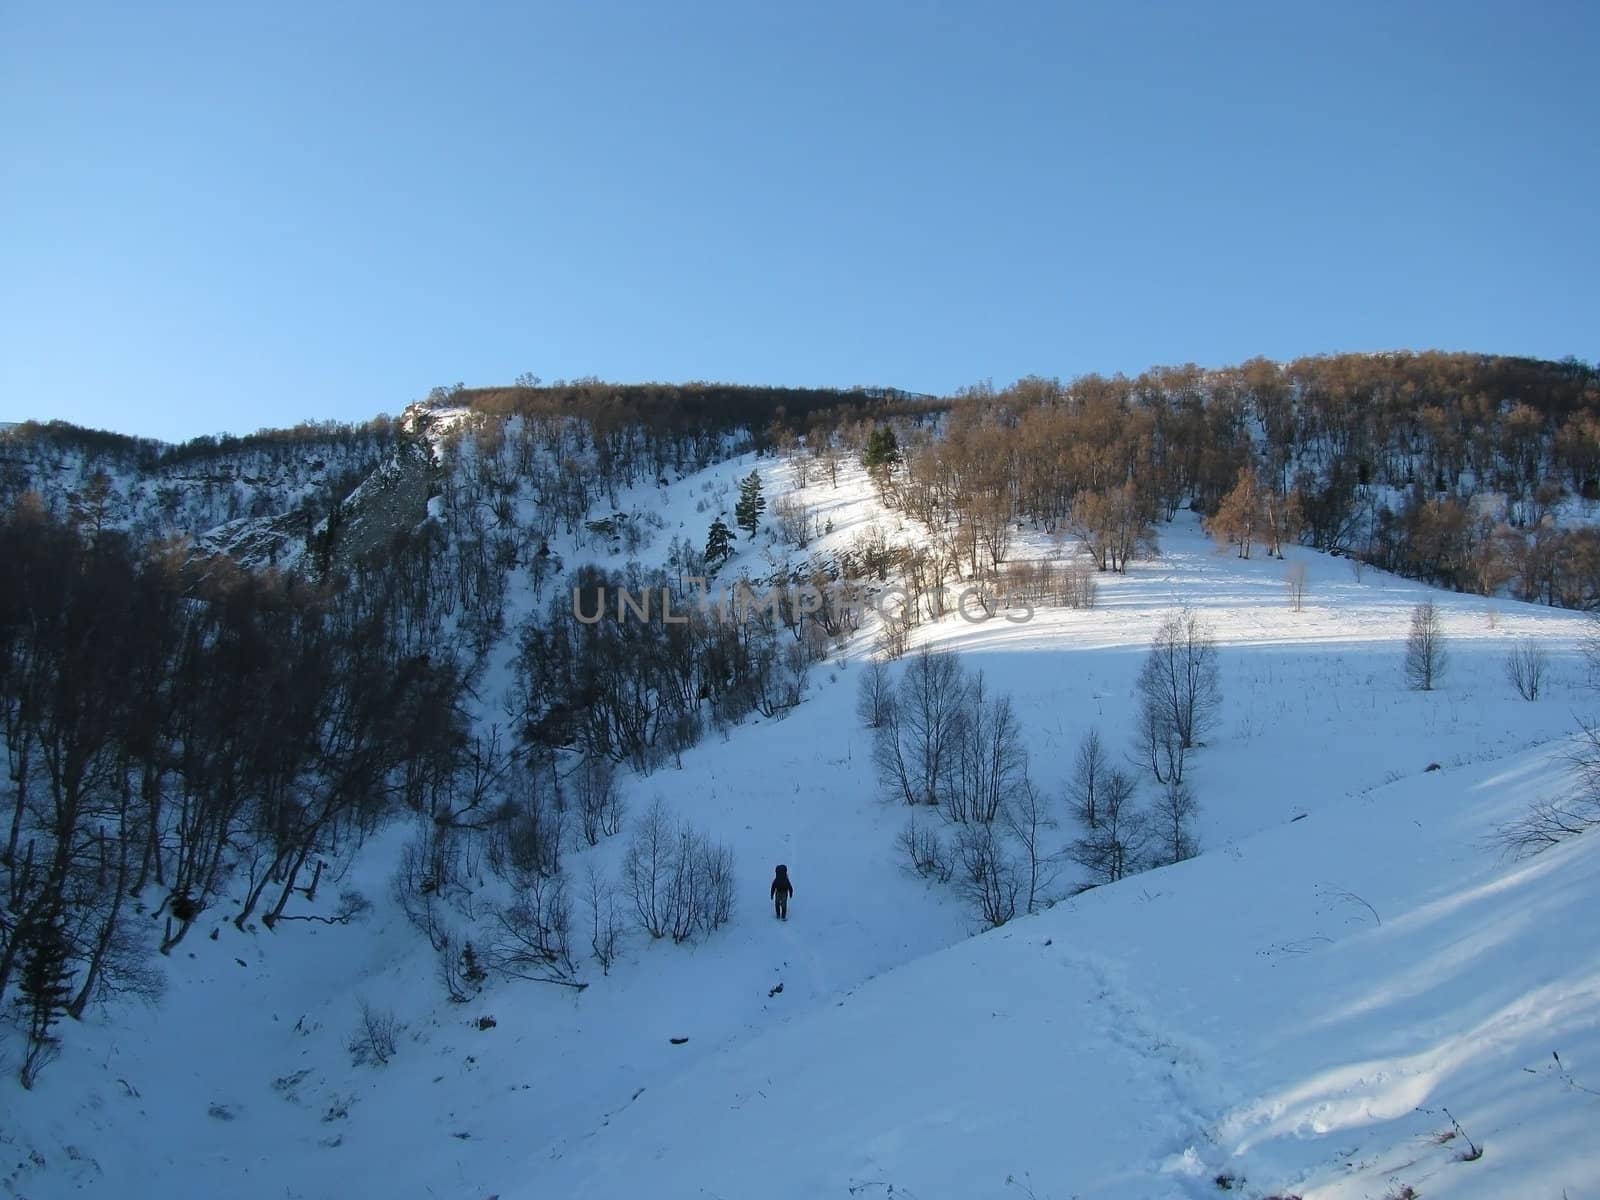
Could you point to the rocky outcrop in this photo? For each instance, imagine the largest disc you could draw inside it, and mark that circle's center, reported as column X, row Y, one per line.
column 392, row 500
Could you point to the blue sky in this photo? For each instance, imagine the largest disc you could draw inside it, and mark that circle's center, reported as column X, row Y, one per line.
column 218, row 217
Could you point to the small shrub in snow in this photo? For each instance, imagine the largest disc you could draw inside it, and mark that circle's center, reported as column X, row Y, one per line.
column 376, row 1035
column 925, row 851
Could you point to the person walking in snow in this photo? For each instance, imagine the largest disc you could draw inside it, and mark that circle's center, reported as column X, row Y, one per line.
column 781, row 890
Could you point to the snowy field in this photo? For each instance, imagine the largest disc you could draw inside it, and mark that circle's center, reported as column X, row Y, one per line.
column 1291, row 1013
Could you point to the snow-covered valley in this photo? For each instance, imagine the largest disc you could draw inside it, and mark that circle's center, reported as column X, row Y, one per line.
column 1290, row 1013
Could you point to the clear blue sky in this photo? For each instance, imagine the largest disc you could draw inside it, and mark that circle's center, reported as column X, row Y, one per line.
column 220, row 216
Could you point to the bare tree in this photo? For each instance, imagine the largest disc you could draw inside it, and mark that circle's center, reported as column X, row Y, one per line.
column 1425, row 652
column 647, row 869
column 1159, row 744
column 893, row 764
column 1089, row 771
column 795, row 521
column 534, row 938
column 605, row 919
column 714, row 881
column 679, row 881
column 600, row 807
column 988, row 762
column 376, row 1037
column 926, row 726
column 986, row 876
column 894, row 633
column 1525, row 667
column 1027, row 817
column 1115, row 847
column 925, row 851
column 874, row 695
column 1180, row 680
column 1174, row 814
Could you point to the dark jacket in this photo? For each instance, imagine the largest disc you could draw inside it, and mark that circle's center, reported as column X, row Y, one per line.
column 780, row 883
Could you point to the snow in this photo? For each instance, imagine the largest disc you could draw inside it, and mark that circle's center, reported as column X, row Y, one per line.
column 1292, row 1011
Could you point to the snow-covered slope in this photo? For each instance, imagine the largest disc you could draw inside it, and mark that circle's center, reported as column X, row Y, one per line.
column 1292, row 1014
column 1346, row 951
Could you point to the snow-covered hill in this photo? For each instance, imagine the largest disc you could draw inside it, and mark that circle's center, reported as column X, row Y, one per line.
column 1289, row 1013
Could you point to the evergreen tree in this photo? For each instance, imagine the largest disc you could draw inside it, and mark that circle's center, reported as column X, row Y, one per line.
column 883, row 451
column 719, row 545
column 751, row 503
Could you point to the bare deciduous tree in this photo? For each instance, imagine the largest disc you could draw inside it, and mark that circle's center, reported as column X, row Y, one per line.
column 894, row 633
column 1115, row 847
column 534, row 936
column 988, row 761
column 376, row 1036
column 925, row 851
column 600, row 808
column 874, row 695
column 1027, row 818
column 1174, row 814
column 795, row 521
column 1525, row 667
column 1089, row 771
column 986, row 876
column 915, row 747
column 1180, row 679
column 1425, row 652
column 605, row 919
column 679, row 881
column 714, row 881
column 647, row 868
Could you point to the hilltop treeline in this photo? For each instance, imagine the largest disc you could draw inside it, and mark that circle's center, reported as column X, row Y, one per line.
column 695, row 410
column 1452, row 468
